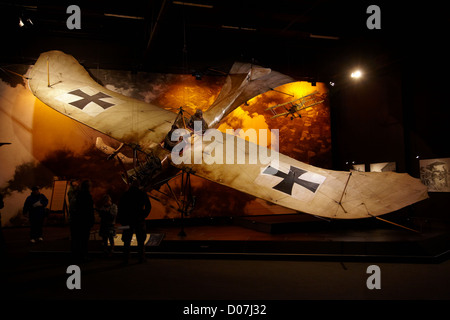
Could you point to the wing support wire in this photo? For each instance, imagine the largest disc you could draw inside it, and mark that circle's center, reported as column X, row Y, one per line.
column 343, row 193
column 144, row 172
column 390, row 222
column 186, row 200
column 393, row 223
column 15, row 73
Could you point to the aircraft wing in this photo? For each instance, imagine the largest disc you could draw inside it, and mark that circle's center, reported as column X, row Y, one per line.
column 280, row 115
column 296, row 185
column 59, row 81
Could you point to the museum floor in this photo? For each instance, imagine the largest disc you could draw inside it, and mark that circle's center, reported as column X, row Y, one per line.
column 217, row 261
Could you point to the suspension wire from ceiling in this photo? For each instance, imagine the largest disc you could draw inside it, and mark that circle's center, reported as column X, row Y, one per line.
column 155, row 26
column 185, row 65
column 184, row 52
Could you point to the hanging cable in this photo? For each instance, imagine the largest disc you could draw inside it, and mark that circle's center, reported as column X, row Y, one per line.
column 15, row 73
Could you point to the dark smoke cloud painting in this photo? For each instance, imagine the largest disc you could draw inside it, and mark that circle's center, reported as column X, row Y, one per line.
column 42, row 145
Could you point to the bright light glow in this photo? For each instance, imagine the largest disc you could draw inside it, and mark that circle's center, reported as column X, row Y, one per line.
column 356, row 74
column 21, row 22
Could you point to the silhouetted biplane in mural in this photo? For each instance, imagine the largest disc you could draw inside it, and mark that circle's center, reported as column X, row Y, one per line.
column 293, row 108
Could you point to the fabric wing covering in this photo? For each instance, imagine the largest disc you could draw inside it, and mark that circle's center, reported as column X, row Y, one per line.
column 61, row 83
column 299, row 186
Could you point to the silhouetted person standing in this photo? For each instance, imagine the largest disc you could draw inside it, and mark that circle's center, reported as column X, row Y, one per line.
column 34, row 207
column 81, row 221
column 108, row 214
column 134, row 207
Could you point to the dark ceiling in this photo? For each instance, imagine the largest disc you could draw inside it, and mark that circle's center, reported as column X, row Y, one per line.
column 316, row 39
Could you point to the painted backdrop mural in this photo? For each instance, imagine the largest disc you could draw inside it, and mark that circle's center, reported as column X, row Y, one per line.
column 45, row 145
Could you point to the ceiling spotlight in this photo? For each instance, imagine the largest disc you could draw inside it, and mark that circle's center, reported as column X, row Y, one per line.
column 25, row 22
column 332, row 83
column 356, row 74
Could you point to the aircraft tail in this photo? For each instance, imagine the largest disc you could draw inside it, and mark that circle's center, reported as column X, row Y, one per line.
column 244, row 82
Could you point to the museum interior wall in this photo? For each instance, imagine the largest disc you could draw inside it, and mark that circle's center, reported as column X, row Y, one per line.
column 47, row 146
column 396, row 115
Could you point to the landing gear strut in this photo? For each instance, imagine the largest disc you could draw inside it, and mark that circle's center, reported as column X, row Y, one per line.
column 186, row 198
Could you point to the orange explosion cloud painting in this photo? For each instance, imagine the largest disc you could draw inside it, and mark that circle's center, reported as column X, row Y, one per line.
column 65, row 148
column 307, row 139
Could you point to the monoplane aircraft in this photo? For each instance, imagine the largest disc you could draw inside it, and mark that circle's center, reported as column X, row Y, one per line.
column 60, row 82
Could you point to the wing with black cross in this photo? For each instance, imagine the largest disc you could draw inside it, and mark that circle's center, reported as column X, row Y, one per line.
column 293, row 184
column 59, row 81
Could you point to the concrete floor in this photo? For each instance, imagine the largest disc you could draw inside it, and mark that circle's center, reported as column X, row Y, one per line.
column 174, row 281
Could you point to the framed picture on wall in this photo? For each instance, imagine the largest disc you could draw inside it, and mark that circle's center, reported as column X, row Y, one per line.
column 383, row 167
column 434, row 173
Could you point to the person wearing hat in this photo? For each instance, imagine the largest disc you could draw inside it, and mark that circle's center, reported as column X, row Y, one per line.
column 198, row 116
column 34, row 207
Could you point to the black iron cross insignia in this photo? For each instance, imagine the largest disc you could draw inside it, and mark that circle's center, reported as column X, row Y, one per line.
column 87, row 99
column 290, row 178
